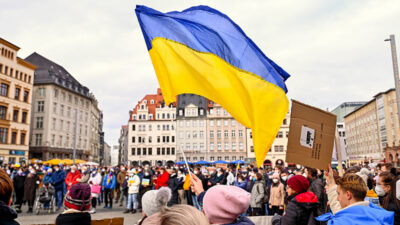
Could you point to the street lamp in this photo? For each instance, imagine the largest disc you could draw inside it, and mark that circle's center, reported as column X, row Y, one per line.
column 395, row 71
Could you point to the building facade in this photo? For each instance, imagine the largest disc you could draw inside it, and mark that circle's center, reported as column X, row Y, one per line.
column 151, row 131
column 372, row 127
column 114, row 155
column 191, row 127
column 64, row 114
column 123, row 145
column 16, row 85
column 277, row 152
column 107, row 154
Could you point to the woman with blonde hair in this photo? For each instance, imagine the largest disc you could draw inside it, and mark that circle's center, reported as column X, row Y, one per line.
column 182, row 215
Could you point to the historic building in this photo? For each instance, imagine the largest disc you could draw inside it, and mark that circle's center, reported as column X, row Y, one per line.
column 16, row 84
column 123, row 145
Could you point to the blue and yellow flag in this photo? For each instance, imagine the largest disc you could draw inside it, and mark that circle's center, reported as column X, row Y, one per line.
column 201, row 51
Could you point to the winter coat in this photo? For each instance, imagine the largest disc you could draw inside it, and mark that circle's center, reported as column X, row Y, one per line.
column 31, row 183
column 73, row 218
column 301, row 210
column 109, row 181
column 317, row 187
column 220, row 179
column 257, row 195
column 241, row 221
column 213, row 179
column 47, row 178
column 133, row 184
column 95, row 180
column 84, row 177
column 162, row 180
column 174, row 184
column 19, row 182
column 393, row 208
column 72, row 178
column 277, row 195
column 230, row 179
column 242, row 184
column 121, row 177
column 7, row 215
column 58, row 180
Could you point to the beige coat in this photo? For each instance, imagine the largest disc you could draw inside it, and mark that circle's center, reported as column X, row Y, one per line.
column 277, row 195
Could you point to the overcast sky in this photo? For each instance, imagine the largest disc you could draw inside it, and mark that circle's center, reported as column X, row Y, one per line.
column 333, row 50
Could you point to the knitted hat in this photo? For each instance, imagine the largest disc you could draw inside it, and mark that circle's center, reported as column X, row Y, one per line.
column 298, row 183
column 153, row 200
column 78, row 197
column 223, row 204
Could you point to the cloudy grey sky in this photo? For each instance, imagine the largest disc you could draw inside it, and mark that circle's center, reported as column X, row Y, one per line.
column 334, row 50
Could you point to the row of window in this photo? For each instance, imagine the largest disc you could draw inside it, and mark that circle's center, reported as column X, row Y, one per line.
column 61, row 142
column 163, row 139
column 15, row 116
column 226, row 146
column 65, row 97
column 212, row 158
column 226, row 122
column 277, row 148
column 4, row 92
column 201, row 134
column 7, row 53
column 193, row 123
column 191, row 112
column 149, row 151
column 164, row 127
column 68, row 126
column 226, row 134
column 14, row 136
column 15, row 74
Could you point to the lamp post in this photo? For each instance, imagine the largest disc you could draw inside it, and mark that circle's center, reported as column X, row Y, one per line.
column 395, row 71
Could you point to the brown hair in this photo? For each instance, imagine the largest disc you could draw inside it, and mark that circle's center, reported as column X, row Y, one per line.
column 6, row 187
column 182, row 215
column 388, row 166
column 389, row 179
column 312, row 172
column 259, row 176
column 355, row 184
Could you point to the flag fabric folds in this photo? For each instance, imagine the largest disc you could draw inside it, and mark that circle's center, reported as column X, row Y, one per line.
column 202, row 51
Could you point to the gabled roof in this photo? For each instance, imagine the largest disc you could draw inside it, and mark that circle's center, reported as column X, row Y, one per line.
column 49, row 72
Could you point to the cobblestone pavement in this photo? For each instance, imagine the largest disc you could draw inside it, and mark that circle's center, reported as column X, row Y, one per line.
column 46, row 218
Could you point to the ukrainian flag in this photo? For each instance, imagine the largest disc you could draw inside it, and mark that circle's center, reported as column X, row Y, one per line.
column 201, row 51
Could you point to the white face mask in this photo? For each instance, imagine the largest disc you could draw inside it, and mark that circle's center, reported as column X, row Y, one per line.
column 275, row 180
column 379, row 190
column 284, row 178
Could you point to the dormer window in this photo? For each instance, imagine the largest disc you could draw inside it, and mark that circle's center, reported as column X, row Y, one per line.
column 151, row 116
column 152, row 101
column 134, row 117
column 201, row 112
column 140, row 117
column 145, row 102
column 180, row 112
column 142, row 106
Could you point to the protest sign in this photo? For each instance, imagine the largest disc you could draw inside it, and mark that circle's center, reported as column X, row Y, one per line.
column 311, row 136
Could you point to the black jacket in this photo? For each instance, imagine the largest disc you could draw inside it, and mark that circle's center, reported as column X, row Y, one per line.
column 173, row 184
column 7, row 215
column 301, row 210
column 83, row 218
column 317, row 187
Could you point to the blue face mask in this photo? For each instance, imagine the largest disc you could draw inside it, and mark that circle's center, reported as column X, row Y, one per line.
column 49, row 174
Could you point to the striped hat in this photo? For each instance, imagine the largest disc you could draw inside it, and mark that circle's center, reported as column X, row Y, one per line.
column 78, row 197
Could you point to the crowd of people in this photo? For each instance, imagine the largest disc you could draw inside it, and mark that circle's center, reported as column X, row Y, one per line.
column 207, row 194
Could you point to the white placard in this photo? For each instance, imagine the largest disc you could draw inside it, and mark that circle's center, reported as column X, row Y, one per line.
column 307, row 137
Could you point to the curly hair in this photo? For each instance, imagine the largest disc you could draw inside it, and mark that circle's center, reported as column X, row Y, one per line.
column 354, row 184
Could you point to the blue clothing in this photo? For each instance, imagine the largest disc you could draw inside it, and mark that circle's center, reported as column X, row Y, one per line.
column 359, row 215
column 111, row 183
column 132, row 201
column 242, row 220
column 59, row 198
column 48, row 178
column 242, row 184
column 58, row 180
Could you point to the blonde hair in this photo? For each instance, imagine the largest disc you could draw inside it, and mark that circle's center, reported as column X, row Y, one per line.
column 182, row 215
column 355, row 184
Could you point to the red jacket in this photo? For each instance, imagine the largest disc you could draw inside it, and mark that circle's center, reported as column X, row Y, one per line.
column 71, row 178
column 162, row 180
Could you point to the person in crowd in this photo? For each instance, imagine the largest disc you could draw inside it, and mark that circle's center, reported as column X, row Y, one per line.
column 109, row 182
column 95, row 187
column 257, row 196
column 181, row 180
column 48, row 176
column 284, row 177
column 222, row 204
column 241, row 182
column 386, row 190
column 120, row 181
column 182, row 215
column 7, row 214
column 186, row 187
column 85, row 175
column 58, row 184
column 250, row 181
column 46, row 192
column 77, row 204
column 133, row 190
column 230, row 178
column 30, row 185
column 103, row 173
column 302, row 206
column 173, row 184
column 220, row 179
column 386, row 167
column 162, row 179
column 152, row 202
column 19, row 181
column 277, row 195
column 212, row 180
column 72, row 177
column 316, row 187
column 146, row 184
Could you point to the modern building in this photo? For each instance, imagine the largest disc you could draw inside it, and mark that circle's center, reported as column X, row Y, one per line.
column 226, row 138
column 123, row 145
column 16, row 85
column 114, row 155
column 64, row 114
column 277, row 152
column 151, row 131
column 372, row 127
column 341, row 111
column 191, row 128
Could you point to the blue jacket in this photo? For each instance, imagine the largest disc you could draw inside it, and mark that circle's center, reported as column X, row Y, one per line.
column 58, row 180
column 111, row 183
column 48, row 178
column 359, row 215
column 242, row 184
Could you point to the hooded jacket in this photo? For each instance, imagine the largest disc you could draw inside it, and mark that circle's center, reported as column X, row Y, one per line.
column 58, row 180
column 301, row 210
column 7, row 215
column 72, row 178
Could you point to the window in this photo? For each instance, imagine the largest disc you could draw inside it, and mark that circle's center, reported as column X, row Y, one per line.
column 211, row 134
column 187, row 123
column 226, row 134
column 38, row 139
column 26, row 95
column 187, row 146
column 241, row 145
column 15, row 115
column 226, row 158
column 187, row 134
column 42, row 92
column 150, row 139
column 201, row 134
column 55, row 93
column 194, row 146
column 218, row 134
column 3, row 135
column 133, row 151
column 194, row 123
column 163, row 151
column 201, row 123
column 138, row 151
column 212, row 146
column 4, row 89
column 201, row 112
column 133, row 127
column 233, row 145
column 251, row 148
column 219, row 145
column 55, row 107
column 40, row 106
column 233, row 134
column 212, row 123
column 287, row 134
column 53, row 139
column 150, row 127
column 226, row 122
column 158, row 139
column 3, row 112
column 194, row 134
column 133, row 139
column 212, row 158
column 14, row 138
column 180, row 112
column 218, row 122
column 180, row 123
column 53, row 124
column 22, row 139
column 150, row 151
column 279, row 135
column 233, row 158
column 144, row 151
column 173, row 139
column 219, row 158
column 284, row 122
column 24, row 117
column 17, row 93
column 158, row 127
column 240, row 133
column 218, row 111
column 233, row 123
column 226, row 146
column 68, row 126
column 39, row 122
column 201, row 146
column 66, row 141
